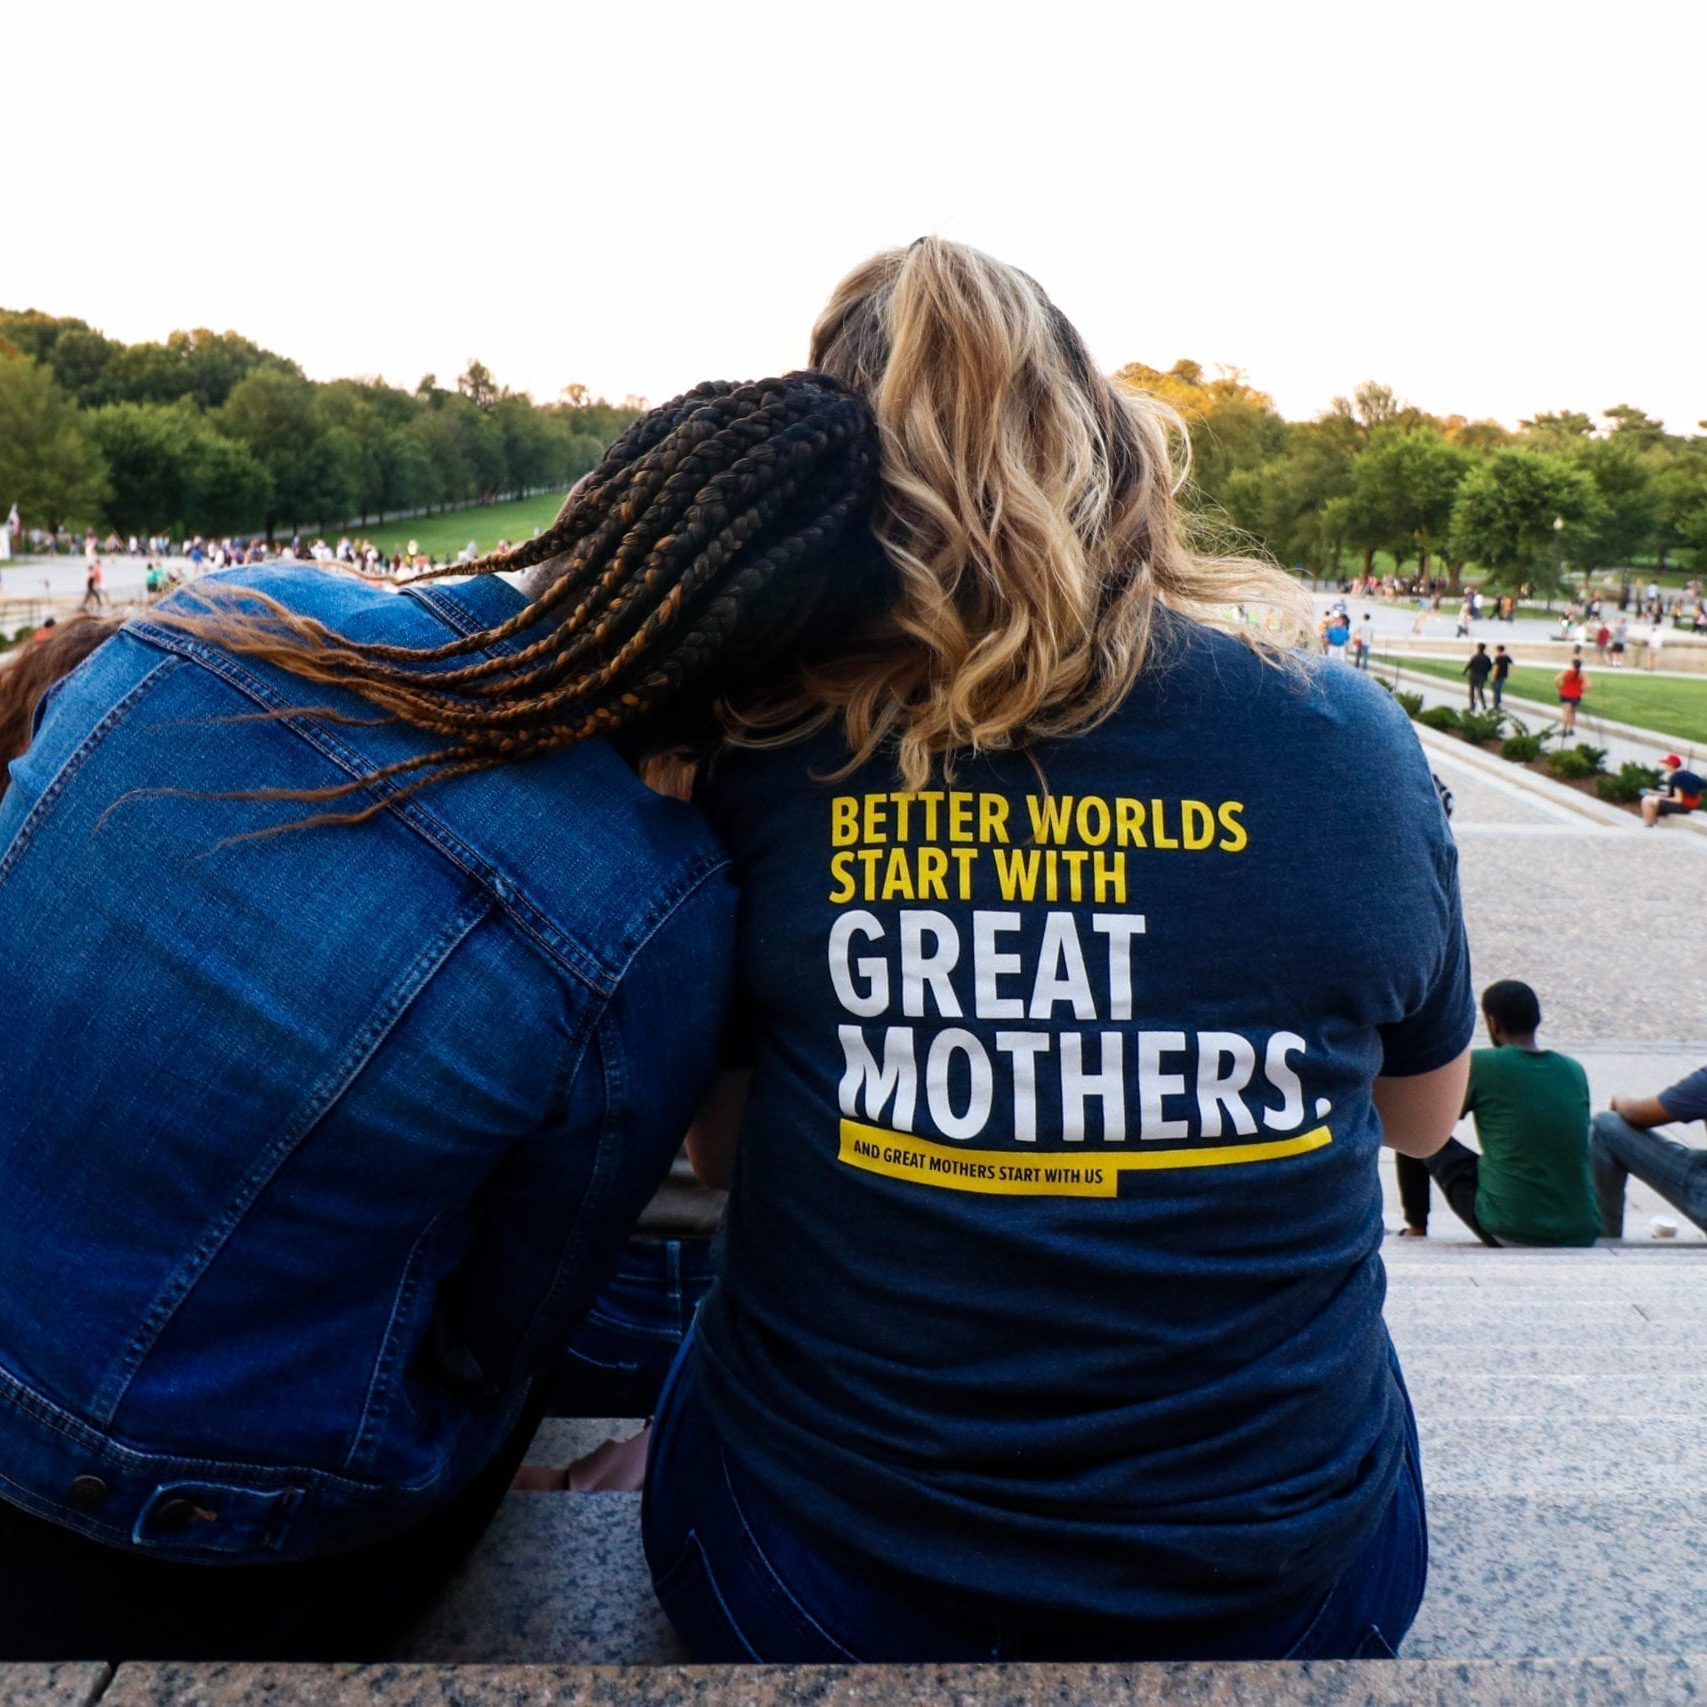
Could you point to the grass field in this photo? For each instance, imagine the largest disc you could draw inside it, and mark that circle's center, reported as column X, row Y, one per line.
column 1649, row 702
column 444, row 536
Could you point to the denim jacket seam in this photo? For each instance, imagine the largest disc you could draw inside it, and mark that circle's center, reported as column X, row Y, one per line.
column 556, row 943
column 376, row 1403
column 388, row 1010
column 443, row 604
column 612, row 1061
column 690, row 880
column 74, row 762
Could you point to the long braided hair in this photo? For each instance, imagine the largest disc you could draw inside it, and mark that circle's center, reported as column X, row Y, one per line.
column 723, row 535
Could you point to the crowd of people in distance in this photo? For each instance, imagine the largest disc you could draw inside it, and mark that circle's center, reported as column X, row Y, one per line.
column 169, row 566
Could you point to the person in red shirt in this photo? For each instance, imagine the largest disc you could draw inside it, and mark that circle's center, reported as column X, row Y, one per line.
column 1572, row 685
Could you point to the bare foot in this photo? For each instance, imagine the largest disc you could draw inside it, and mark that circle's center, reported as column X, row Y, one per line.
column 540, row 1479
column 613, row 1466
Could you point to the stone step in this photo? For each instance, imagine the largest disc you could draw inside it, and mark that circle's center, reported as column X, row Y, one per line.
column 1472, row 1255
column 1513, row 1577
column 1321, row 1683
column 1485, row 1356
column 1680, row 1313
column 1643, row 1459
column 561, row 1578
column 72, row 1685
column 557, row 1578
column 1604, row 1395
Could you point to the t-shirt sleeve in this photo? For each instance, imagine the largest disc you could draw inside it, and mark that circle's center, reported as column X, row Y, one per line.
column 1442, row 1019
column 1687, row 1099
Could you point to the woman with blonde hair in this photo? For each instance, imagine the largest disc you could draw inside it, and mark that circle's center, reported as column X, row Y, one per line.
column 1050, row 1324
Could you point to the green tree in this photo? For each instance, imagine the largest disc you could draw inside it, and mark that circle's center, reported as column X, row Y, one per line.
column 478, row 385
column 1506, row 514
column 1403, row 487
column 1627, row 517
column 1680, row 490
column 534, row 444
column 48, row 467
column 229, row 490
column 273, row 413
column 151, row 451
column 1233, row 426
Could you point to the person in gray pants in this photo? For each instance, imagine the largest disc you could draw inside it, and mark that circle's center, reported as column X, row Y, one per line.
column 1622, row 1142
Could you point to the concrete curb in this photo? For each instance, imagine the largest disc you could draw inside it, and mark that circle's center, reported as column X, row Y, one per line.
column 1508, row 776
column 1534, row 708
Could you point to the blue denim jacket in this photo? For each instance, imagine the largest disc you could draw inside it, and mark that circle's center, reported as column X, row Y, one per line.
column 314, row 1146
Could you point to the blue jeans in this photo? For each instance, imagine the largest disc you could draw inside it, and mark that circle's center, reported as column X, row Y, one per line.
column 740, row 1582
column 1616, row 1149
column 619, row 1356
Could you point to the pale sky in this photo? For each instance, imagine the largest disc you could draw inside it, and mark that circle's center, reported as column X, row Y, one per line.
column 1495, row 208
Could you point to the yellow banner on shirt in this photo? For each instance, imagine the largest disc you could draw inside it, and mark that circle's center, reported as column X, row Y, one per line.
column 1011, row 1173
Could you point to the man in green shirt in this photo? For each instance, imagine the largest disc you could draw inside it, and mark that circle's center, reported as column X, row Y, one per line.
column 1531, row 1184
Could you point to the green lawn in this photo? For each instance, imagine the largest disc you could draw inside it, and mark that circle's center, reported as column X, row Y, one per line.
column 1627, row 696
column 445, row 535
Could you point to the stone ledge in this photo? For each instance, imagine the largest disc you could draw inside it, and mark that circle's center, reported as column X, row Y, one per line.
column 73, row 1684
column 1325, row 1683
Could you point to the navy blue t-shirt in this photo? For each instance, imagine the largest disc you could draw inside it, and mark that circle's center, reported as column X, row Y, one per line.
column 1053, row 1269
column 1687, row 1099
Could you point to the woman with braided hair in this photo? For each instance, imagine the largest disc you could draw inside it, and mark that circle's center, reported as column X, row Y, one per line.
column 1048, row 1323
column 372, row 1077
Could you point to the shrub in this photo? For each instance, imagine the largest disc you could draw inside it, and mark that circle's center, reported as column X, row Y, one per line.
column 1480, row 727
column 1522, row 749
column 1627, row 783
column 1439, row 717
column 1580, row 761
column 1412, row 702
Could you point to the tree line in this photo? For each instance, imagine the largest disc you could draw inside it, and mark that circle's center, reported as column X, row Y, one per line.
column 210, row 434
column 1563, row 495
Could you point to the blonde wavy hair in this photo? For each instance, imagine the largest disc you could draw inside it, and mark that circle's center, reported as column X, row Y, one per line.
column 1031, row 509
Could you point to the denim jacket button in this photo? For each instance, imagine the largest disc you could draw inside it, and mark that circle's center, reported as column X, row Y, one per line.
column 86, row 1492
column 172, row 1515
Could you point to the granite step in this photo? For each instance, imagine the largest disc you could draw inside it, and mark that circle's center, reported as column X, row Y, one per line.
column 561, row 1578
column 72, row 1685
column 1641, row 1459
column 1611, row 1394
column 1322, row 1683
column 1473, row 1354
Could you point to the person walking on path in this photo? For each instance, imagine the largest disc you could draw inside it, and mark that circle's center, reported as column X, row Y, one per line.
column 1364, row 642
column 1678, row 795
column 1572, row 684
column 1656, row 642
column 1622, row 1141
column 1531, row 1184
column 94, row 598
column 1502, row 669
column 1337, row 634
column 1478, row 669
